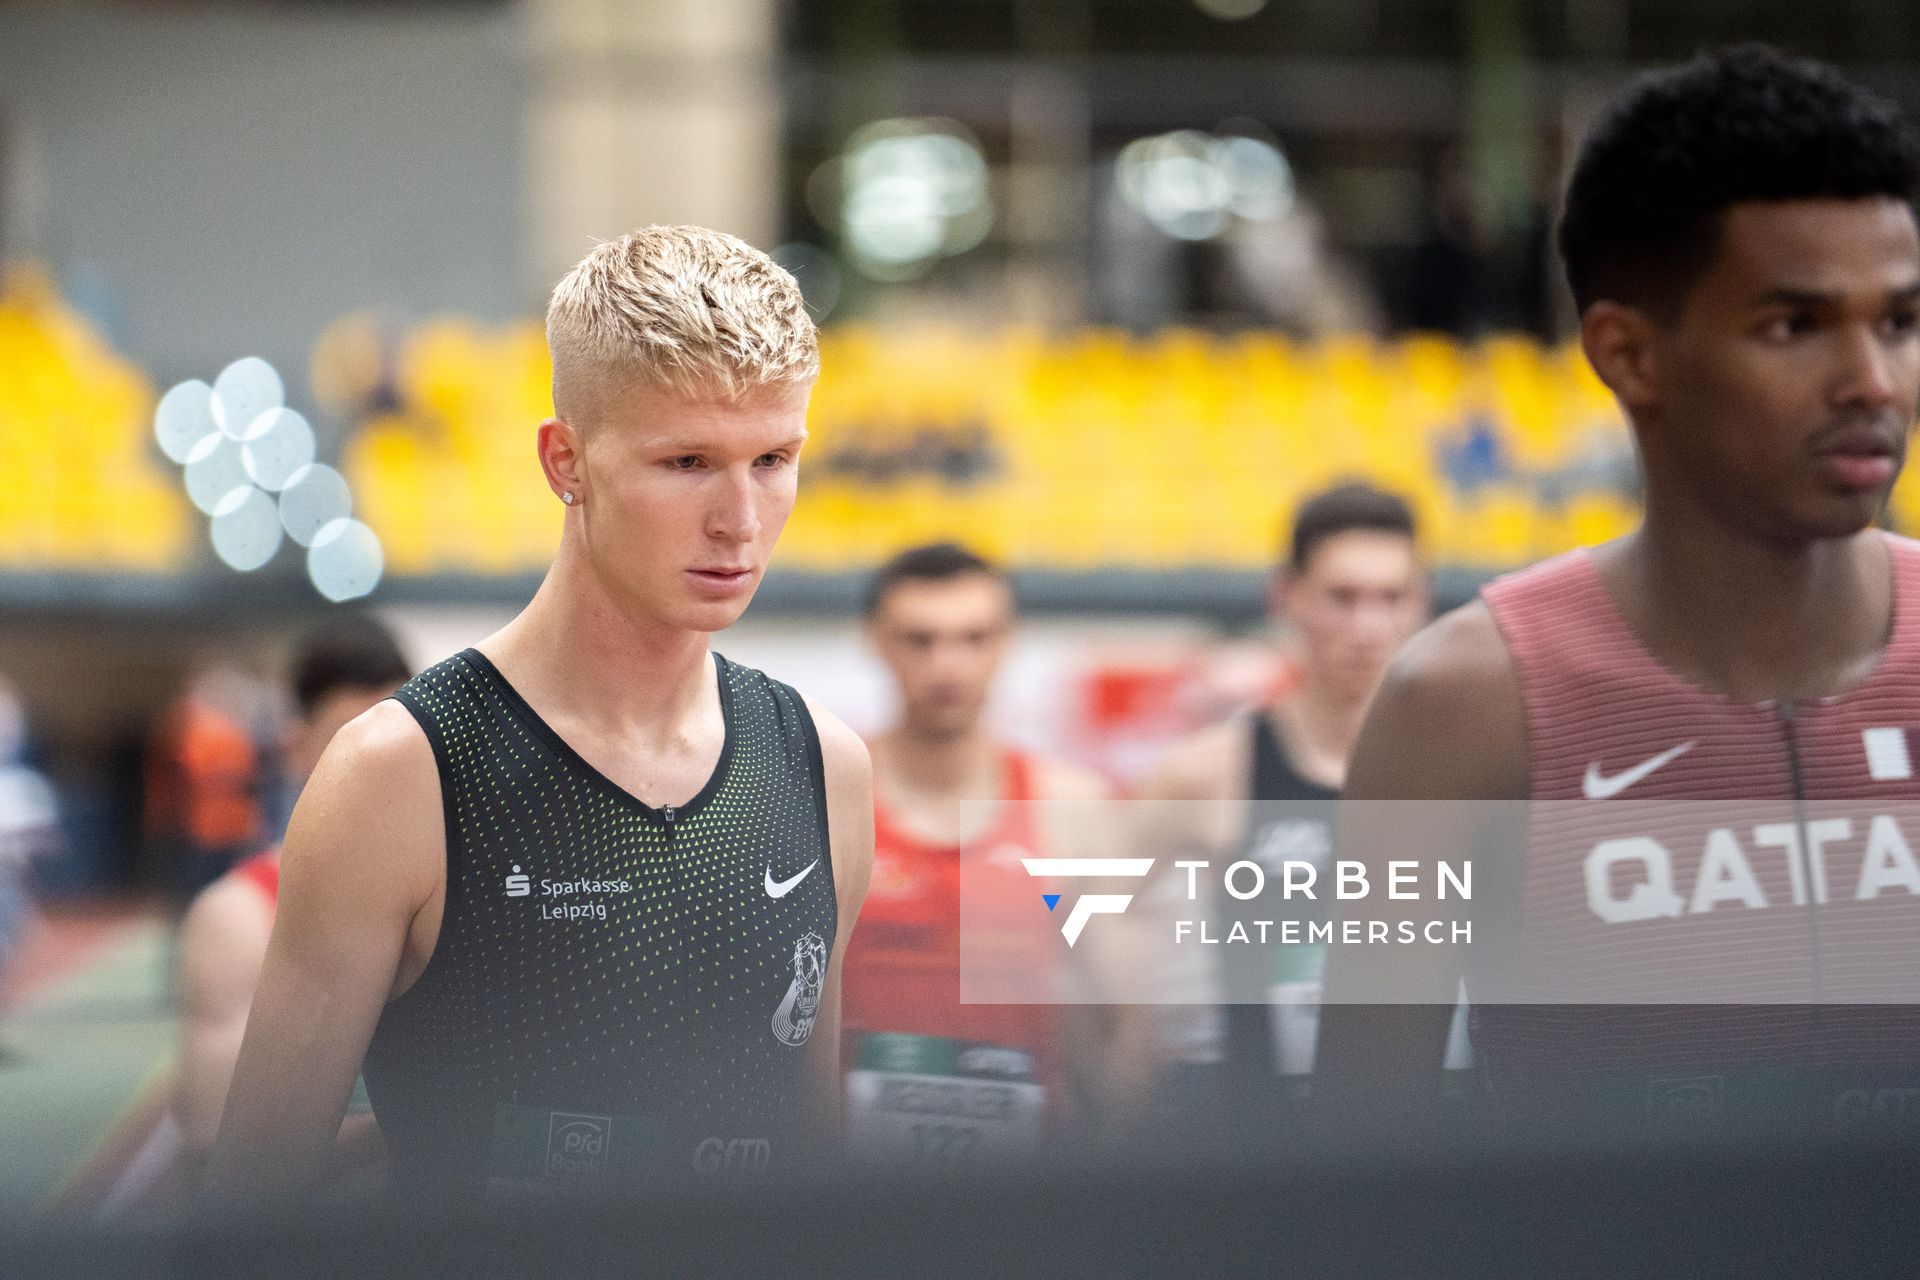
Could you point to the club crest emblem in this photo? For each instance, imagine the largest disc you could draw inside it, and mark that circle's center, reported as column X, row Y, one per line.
column 793, row 1020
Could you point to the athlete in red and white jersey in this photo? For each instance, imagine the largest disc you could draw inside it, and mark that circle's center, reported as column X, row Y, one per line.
column 908, row 943
column 930, row 1078
column 1752, row 298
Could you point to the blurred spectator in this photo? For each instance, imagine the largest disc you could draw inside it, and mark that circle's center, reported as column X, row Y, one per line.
column 1448, row 283
column 204, row 781
column 30, row 829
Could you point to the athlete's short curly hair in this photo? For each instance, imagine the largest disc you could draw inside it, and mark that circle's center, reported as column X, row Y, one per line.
column 1677, row 147
column 682, row 309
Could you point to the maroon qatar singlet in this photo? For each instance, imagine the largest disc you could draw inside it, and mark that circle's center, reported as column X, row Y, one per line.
column 1796, row 883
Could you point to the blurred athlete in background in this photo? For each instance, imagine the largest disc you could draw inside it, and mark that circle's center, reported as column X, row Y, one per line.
column 931, row 1079
column 579, row 894
column 338, row 671
column 1350, row 591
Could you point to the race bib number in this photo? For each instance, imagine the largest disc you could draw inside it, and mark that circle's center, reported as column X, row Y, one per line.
column 929, row 1100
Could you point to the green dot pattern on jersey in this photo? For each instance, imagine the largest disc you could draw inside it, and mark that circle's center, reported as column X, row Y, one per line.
column 600, row 956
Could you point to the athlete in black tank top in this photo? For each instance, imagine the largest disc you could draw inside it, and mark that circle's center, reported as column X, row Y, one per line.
column 1350, row 590
column 618, row 992
column 587, row 977
column 1288, row 816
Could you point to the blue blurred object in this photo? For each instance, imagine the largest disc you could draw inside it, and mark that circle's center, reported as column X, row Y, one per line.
column 1475, row 458
column 29, row 831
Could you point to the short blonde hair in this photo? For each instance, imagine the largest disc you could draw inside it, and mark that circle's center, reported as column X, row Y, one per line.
column 682, row 309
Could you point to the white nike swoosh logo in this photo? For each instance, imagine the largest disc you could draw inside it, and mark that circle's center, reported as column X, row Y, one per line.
column 1597, row 786
column 780, row 888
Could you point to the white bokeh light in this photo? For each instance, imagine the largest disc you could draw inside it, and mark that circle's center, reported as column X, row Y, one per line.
column 1189, row 184
column 315, row 496
column 183, row 418
column 345, row 560
column 912, row 191
column 238, row 443
column 1261, row 178
column 246, row 529
column 1181, row 188
column 244, row 390
column 893, row 220
column 282, row 444
column 214, row 470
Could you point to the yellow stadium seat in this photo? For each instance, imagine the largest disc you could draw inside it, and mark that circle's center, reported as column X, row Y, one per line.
column 80, row 486
column 1181, row 448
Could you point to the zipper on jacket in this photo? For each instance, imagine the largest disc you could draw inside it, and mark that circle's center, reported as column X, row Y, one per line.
column 673, row 872
column 1803, row 846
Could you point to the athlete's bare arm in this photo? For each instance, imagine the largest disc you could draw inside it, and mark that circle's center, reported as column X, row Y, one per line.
column 1208, row 768
column 223, row 943
column 361, row 882
column 1068, row 796
column 1106, row 1030
column 849, row 778
column 1448, row 725
column 1191, row 804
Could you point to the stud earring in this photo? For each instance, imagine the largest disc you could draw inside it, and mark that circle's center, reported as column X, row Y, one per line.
column 567, row 497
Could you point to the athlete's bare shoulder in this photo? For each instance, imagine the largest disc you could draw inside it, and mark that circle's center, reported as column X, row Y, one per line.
column 849, row 780
column 387, row 730
column 1055, row 779
column 1448, row 722
column 843, row 753
column 1208, row 764
column 223, row 939
column 372, row 807
column 1071, row 812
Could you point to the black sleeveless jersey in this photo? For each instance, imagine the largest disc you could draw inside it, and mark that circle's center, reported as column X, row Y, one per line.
column 1301, row 829
column 619, row 994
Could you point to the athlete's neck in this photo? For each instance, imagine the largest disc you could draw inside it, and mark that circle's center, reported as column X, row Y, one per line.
column 1319, row 725
column 941, row 789
column 574, row 648
column 1750, row 620
column 911, row 766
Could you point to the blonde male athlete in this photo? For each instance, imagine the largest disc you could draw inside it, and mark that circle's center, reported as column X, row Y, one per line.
column 578, row 895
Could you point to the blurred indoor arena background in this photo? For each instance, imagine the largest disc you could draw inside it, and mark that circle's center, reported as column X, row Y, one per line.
column 1106, row 288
